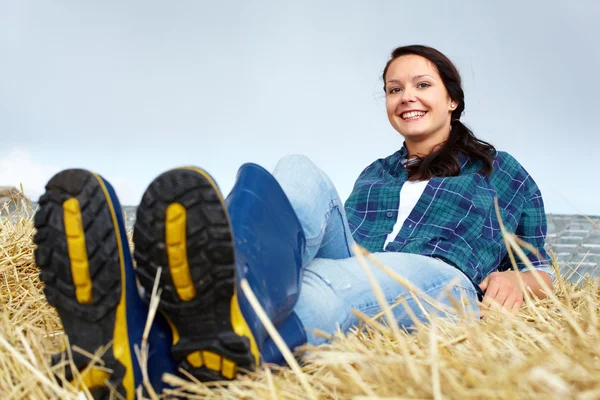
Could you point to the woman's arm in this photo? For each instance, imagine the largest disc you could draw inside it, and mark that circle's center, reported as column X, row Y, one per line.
column 503, row 286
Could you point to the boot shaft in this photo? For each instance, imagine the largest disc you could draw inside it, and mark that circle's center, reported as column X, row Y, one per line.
column 269, row 242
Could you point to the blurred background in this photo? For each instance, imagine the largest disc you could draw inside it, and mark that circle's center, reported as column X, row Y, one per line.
column 129, row 89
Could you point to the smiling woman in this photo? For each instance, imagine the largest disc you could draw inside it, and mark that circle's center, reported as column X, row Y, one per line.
column 427, row 211
column 447, row 181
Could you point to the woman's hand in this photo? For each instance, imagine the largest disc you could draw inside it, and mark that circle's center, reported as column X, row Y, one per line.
column 504, row 289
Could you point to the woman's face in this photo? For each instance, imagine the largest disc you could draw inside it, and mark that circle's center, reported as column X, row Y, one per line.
column 418, row 105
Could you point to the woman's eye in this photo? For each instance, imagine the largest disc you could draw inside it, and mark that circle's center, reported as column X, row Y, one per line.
column 423, row 85
column 394, row 90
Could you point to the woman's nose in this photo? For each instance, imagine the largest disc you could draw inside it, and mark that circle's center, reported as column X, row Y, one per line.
column 408, row 96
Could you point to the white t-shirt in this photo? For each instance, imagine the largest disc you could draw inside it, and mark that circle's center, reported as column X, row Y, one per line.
column 409, row 196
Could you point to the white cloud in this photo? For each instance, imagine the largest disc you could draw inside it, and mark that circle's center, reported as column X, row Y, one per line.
column 20, row 167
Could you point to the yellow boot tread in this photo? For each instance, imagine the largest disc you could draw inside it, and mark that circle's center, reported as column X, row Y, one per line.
column 79, row 256
column 182, row 225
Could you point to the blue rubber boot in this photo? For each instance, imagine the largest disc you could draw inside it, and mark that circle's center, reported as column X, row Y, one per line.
column 205, row 245
column 84, row 260
column 269, row 242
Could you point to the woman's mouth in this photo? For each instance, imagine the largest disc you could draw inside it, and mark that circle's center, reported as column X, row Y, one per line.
column 413, row 115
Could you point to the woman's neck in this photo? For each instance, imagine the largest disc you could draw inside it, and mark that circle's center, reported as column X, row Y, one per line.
column 421, row 149
column 424, row 147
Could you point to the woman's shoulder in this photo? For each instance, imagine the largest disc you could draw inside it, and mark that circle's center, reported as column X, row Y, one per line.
column 504, row 157
column 385, row 163
column 507, row 169
column 506, row 162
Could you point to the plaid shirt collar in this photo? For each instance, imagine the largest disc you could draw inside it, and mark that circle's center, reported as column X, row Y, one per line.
column 401, row 155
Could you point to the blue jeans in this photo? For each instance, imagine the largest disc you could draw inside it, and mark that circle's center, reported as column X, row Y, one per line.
column 333, row 282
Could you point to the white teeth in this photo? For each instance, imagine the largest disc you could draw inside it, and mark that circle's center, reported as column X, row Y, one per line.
column 413, row 115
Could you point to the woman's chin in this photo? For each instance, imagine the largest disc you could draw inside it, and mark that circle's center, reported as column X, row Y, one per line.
column 413, row 135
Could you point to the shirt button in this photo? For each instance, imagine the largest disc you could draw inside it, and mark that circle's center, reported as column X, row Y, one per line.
column 389, row 214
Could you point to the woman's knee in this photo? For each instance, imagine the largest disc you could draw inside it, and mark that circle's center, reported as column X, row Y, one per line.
column 294, row 162
column 299, row 176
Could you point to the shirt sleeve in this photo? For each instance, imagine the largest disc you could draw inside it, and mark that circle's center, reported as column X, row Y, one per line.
column 532, row 228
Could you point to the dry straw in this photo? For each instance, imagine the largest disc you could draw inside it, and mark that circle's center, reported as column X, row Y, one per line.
column 551, row 349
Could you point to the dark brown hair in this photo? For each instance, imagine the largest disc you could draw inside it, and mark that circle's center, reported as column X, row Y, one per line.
column 444, row 161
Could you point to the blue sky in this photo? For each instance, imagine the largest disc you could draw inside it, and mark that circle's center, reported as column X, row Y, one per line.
column 130, row 89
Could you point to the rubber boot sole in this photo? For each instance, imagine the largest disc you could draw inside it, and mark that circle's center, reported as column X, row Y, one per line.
column 80, row 257
column 183, row 226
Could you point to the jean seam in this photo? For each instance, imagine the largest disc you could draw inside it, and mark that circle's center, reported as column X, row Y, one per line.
column 333, row 205
column 346, row 231
column 337, row 206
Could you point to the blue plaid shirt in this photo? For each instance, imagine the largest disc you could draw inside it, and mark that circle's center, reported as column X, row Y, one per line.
column 455, row 218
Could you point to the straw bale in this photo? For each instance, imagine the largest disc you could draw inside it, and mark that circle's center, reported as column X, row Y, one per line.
column 551, row 349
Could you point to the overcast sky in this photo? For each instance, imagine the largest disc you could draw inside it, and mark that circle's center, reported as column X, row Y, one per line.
column 130, row 89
